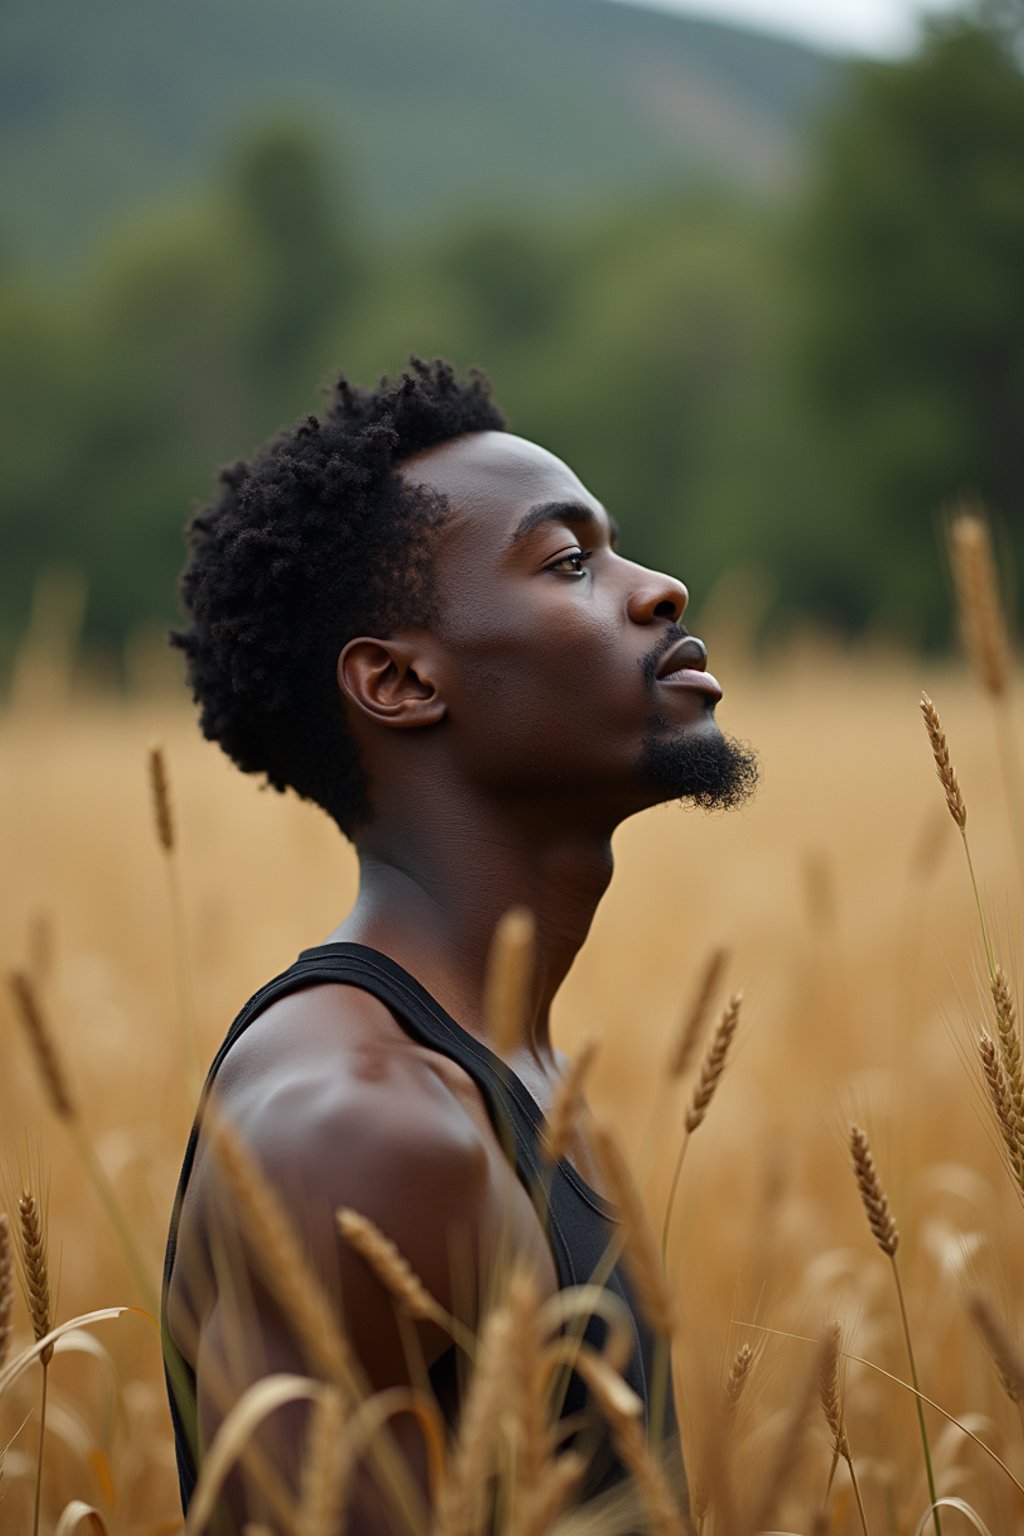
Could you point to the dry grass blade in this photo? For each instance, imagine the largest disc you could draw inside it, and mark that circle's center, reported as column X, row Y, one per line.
column 565, row 1107
column 713, row 1064
column 42, row 1042
column 943, row 766
column 739, row 1373
column 1006, row 1357
column 6, row 1288
column 325, row 1468
column 390, row 1266
column 641, row 1254
column 692, row 1026
column 35, row 1270
column 160, row 786
column 1007, row 1118
column 977, row 592
column 829, row 1393
column 508, row 982
column 279, row 1257
column 872, row 1195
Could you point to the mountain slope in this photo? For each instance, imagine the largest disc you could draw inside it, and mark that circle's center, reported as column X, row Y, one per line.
column 107, row 108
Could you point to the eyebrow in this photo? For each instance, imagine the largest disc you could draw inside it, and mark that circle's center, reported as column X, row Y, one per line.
column 561, row 512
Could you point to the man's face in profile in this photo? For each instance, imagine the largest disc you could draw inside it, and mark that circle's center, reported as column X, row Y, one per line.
column 567, row 671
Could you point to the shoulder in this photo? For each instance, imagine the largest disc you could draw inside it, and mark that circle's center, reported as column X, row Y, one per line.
column 339, row 1108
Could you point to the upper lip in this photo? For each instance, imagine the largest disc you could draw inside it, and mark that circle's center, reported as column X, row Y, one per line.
column 690, row 653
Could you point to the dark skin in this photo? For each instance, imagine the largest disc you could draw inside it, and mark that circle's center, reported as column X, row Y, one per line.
column 501, row 748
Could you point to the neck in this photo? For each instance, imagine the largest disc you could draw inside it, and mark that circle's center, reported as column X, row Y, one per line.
column 433, row 888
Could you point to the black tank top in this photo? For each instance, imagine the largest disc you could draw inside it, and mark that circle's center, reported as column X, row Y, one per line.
column 580, row 1223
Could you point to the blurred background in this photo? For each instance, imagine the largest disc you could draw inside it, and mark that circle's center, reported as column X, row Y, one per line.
column 753, row 269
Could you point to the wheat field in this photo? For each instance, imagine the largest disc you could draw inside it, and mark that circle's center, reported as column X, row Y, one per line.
column 843, row 897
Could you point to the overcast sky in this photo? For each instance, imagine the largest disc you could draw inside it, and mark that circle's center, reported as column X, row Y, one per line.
column 866, row 26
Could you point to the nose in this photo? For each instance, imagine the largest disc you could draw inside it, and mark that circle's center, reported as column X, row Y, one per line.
column 656, row 596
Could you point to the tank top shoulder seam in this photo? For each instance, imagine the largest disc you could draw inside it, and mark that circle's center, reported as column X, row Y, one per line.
column 363, row 956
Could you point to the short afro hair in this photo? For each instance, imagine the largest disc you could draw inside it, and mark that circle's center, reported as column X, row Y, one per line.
column 313, row 541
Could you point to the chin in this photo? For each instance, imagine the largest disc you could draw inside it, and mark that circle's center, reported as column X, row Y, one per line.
column 699, row 765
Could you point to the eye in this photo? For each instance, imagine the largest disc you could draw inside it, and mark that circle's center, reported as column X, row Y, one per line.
column 572, row 564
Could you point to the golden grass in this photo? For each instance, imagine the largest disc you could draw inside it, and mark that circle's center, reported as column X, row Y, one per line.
column 866, row 1007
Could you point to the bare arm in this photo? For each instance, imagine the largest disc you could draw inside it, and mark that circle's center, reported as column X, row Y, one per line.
column 377, row 1131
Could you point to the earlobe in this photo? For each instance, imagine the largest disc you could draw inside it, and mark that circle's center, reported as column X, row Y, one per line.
column 390, row 682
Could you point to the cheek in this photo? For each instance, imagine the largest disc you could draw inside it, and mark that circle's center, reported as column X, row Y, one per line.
column 551, row 699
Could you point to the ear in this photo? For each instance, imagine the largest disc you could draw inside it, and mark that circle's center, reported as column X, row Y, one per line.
column 391, row 682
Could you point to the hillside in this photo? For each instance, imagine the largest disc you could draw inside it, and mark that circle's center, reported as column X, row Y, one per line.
column 113, row 107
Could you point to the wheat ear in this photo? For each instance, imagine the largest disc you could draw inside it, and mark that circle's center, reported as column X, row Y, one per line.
column 713, row 1065
column 326, row 1467
column 829, row 1393
column 279, row 1257
column 736, row 1381
column 392, row 1269
column 44, row 1047
column 1007, row 1358
column 1009, row 1039
column 1011, row 1127
column 692, row 1026
column 957, row 806
column 6, row 1287
column 648, row 1474
column 159, row 783
column 507, row 985
column 459, row 1507
column 977, row 592
column 35, row 1270
column 943, row 763
column 568, row 1099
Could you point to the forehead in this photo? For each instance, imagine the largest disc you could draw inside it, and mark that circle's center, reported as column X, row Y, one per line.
column 492, row 479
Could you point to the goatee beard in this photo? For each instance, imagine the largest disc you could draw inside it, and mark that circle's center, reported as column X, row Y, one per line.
column 708, row 769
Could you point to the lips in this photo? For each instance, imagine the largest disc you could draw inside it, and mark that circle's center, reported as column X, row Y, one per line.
column 685, row 666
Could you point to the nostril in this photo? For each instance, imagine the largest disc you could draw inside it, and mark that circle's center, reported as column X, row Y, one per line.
column 667, row 610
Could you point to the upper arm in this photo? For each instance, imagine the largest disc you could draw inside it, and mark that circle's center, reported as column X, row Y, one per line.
column 331, row 1126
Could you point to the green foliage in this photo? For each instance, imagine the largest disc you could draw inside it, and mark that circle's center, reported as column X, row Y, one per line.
column 790, row 391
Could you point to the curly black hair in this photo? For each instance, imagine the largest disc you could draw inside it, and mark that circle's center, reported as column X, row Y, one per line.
column 312, row 541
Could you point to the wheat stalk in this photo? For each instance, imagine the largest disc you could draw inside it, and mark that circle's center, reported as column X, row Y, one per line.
column 279, row 1257
column 692, row 1026
column 507, row 984
column 325, row 1468
column 6, row 1287
column 568, row 1099
column 1006, row 1357
column 977, row 591
column 43, row 1045
column 527, row 1384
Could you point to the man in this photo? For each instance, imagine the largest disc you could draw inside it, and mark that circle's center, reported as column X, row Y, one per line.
column 422, row 623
